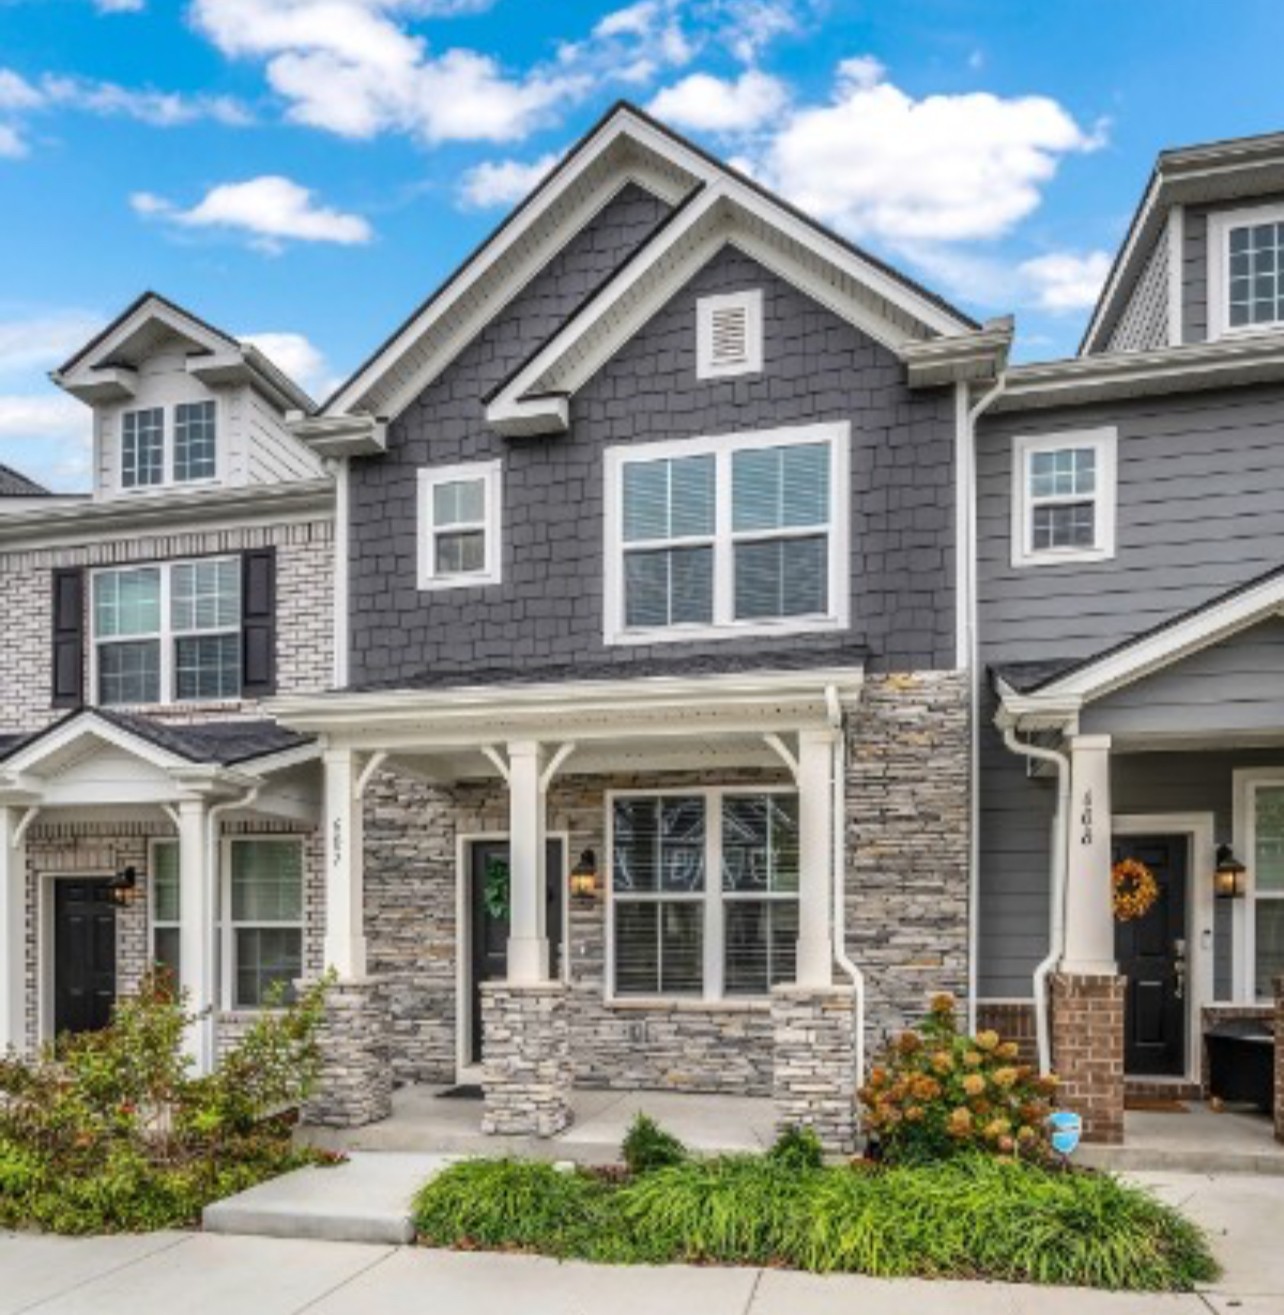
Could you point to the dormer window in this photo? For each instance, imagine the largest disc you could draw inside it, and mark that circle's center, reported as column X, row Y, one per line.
column 729, row 335
column 147, row 461
column 1246, row 270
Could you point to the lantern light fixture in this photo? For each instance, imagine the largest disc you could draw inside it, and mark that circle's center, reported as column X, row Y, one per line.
column 1230, row 875
column 123, row 889
column 584, row 876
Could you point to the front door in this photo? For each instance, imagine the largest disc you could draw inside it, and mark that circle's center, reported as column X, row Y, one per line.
column 84, row 953
column 488, row 903
column 1152, row 955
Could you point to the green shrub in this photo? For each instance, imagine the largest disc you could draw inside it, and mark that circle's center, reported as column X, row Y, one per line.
column 971, row 1217
column 938, row 1092
column 797, row 1148
column 648, row 1147
column 108, row 1131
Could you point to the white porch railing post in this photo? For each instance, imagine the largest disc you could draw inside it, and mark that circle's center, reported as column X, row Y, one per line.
column 13, row 930
column 1090, row 926
column 345, row 940
column 815, row 852
column 197, row 930
column 528, row 957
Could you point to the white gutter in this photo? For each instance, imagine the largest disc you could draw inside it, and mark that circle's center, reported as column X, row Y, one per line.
column 838, row 777
column 967, row 570
column 1057, row 928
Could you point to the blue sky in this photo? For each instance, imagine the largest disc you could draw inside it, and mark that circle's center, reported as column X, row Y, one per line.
column 308, row 170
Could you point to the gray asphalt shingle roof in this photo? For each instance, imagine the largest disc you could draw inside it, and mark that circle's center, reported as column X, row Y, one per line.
column 14, row 484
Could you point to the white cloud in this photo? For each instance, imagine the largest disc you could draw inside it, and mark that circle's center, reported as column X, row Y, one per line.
column 703, row 103
column 876, row 162
column 271, row 209
column 1064, row 281
column 502, row 182
column 47, row 438
column 12, row 146
column 162, row 109
column 16, row 93
column 299, row 357
column 44, row 340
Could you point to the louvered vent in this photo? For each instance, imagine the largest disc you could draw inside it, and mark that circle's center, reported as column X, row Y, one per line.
column 729, row 334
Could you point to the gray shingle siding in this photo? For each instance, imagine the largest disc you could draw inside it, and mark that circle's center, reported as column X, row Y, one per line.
column 547, row 612
column 1143, row 322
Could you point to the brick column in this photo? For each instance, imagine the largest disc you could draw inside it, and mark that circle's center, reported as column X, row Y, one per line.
column 526, row 1058
column 1279, row 1059
column 354, row 1085
column 814, row 1068
column 1088, row 1050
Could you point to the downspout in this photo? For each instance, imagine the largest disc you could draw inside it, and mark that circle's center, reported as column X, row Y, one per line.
column 838, row 809
column 967, row 457
column 1057, row 928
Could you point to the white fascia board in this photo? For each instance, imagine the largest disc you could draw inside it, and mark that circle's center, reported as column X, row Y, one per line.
column 89, row 727
column 270, row 763
column 108, row 383
column 618, row 126
column 356, row 435
column 247, row 366
column 151, row 309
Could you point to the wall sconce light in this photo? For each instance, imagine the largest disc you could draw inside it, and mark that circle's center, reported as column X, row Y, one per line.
column 584, row 876
column 123, row 888
column 1229, row 877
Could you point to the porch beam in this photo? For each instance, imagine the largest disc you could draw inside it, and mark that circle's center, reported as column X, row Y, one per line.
column 196, row 929
column 528, row 957
column 1089, row 924
column 815, row 855
column 13, row 928
column 345, row 940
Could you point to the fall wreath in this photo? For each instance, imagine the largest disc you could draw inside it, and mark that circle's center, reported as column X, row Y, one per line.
column 1134, row 888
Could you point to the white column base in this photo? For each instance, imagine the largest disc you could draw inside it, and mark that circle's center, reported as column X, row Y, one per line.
column 13, row 933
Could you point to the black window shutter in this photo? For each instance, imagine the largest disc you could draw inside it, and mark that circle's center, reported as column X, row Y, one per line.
column 68, row 637
column 258, row 623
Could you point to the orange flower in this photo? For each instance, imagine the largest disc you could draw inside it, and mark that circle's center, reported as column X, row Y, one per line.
column 987, row 1040
column 959, row 1123
column 1004, row 1078
column 974, row 1084
column 942, row 1003
column 973, row 1059
column 943, row 1061
column 1008, row 1050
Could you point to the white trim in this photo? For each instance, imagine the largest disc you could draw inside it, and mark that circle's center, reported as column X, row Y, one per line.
column 1199, row 828
column 1220, row 224
column 1176, row 236
column 152, row 924
column 1246, row 782
column 491, row 474
column 721, row 446
column 1104, row 442
column 749, row 304
column 465, row 1070
column 712, row 899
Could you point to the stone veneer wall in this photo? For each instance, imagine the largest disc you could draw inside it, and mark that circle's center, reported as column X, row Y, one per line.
column 103, row 849
column 305, row 645
column 908, row 820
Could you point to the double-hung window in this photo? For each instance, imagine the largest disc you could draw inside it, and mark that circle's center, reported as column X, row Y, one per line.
column 165, row 906
column 1063, row 497
column 263, row 929
column 1259, row 948
column 704, row 893
column 739, row 534
column 459, row 525
column 148, row 460
column 168, row 632
column 1245, row 270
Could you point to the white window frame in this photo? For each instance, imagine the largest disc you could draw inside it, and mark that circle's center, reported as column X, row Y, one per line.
column 227, row 928
column 722, row 446
column 1104, row 442
column 713, row 899
column 155, row 924
column 750, row 301
column 166, row 634
column 1247, row 782
column 1220, row 224
column 491, row 472
column 169, row 423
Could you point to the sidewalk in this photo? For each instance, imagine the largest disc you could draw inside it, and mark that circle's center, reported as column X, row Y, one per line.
column 204, row 1274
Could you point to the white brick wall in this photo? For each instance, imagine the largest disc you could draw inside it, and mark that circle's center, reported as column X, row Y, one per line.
column 304, row 613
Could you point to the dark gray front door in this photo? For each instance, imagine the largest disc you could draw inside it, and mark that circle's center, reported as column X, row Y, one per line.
column 488, row 877
column 84, row 954
column 1152, row 954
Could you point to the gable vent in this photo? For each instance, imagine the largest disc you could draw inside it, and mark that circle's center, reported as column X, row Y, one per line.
column 729, row 335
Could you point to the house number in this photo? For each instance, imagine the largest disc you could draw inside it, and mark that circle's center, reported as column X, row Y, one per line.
column 336, row 841
column 1085, row 819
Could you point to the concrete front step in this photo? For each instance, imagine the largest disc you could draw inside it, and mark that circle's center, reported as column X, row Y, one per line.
column 365, row 1200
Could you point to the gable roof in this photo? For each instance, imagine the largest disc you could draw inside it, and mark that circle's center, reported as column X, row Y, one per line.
column 13, row 484
column 1053, row 686
column 625, row 145
column 105, row 368
column 1231, row 170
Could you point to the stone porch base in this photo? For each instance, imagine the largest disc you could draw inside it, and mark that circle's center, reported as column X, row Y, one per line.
column 814, row 1071
column 526, row 1059
column 354, row 1086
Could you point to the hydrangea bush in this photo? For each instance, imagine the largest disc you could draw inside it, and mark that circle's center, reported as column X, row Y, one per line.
column 937, row 1092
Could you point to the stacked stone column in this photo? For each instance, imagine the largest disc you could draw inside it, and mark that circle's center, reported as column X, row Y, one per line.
column 814, row 1074
column 527, row 1073
column 354, row 1085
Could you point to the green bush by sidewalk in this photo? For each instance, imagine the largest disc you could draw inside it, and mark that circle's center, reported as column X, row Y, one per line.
column 971, row 1217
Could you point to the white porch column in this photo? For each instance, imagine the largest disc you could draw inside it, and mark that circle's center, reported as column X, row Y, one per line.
column 1090, row 924
column 528, row 936
column 815, row 854
column 197, row 931
column 13, row 931
column 345, row 940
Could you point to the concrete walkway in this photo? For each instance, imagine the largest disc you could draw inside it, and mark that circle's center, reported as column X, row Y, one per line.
column 204, row 1274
